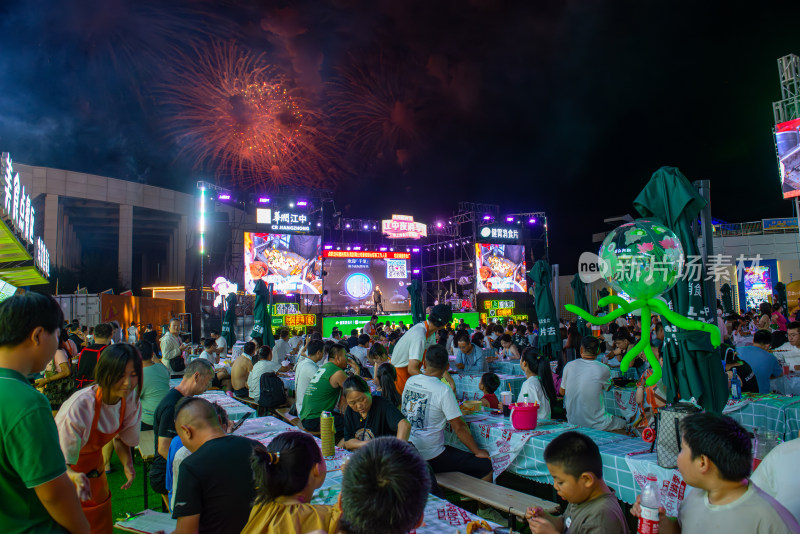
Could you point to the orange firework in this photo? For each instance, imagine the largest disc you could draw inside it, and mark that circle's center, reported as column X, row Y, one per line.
column 232, row 112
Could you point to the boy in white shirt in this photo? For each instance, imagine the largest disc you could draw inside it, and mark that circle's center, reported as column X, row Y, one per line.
column 429, row 404
column 360, row 351
column 582, row 385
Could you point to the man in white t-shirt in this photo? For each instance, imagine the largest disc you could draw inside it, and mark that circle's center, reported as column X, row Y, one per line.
column 360, row 351
column 133, row 334
column 281, row 350
column 582, row 385
column 306, row 368
column 789, row 352
column 265, row 363
column 777, row 478
column 222, row 343
column 428, row 404
column 409, row 352
column 294, row 341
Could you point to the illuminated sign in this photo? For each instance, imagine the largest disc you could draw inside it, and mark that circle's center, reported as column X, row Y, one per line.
column 282, row 220
column 301, row 319
column 403, row 227
column 499, row 233
column 366, row 254
column 285, row 308
column 496, row 304
column 486, row 317
column 17, row 208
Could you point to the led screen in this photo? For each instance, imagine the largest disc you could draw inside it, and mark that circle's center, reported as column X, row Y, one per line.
column 500, row 268
column 787, row 140
column 289, row 261
column 351, row 283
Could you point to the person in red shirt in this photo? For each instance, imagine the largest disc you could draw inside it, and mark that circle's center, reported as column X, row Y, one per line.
column 488, row 385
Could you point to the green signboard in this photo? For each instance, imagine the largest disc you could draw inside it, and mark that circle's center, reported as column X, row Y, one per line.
column 357, row 322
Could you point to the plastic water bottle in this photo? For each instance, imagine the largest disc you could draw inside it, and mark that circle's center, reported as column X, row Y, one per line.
column 526, row 399
column 650, row 503
column 736, row 386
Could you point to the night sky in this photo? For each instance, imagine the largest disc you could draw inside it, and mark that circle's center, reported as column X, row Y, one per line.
column 411, row 106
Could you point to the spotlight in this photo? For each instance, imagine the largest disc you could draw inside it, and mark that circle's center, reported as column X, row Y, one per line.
column 366, row 227
column 383, row 249
column 356, row 248
column 263, row 200
column 374, row 227
column 408, row 249
column 224, row 196
column 338, row 248
column 291, row 204
column 391, row 249
column 319, row 225
column 532, row 221
column 415, row 271
column 487, row 217
column 347, row 226
column 438, row 225
column 414, row 250
column 348, row 248
column 302, row 203
column 328, row 247
column 509, row 219
column 451, row 245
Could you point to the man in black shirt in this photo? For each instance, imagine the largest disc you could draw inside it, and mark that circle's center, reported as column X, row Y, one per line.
column 215, row 483
column 196, row 379
column 87, row 358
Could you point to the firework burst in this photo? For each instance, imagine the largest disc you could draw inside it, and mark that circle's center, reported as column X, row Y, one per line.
column 378, row 111
column 231, row 111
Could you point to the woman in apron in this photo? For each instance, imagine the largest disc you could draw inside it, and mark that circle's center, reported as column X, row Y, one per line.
column 105, row 412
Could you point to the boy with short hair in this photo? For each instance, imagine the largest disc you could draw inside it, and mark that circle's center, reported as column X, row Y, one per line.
column 715, row 459
column 384, row 489
column 574, row 462
column 488, row 385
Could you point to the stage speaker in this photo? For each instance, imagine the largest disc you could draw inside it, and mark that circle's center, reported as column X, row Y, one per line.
column 218, row 239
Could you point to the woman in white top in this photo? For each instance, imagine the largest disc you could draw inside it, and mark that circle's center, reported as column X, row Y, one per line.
column 106, row 412
column 539, row 383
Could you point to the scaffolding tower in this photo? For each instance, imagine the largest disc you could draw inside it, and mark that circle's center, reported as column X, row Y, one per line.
column 788, row 108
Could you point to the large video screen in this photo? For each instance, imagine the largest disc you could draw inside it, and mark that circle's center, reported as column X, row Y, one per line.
column 351, row 283
column 787, row 138
column 291, row 262
column 500, row 268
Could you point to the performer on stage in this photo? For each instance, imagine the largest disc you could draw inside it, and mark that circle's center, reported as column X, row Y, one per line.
column 376, row 298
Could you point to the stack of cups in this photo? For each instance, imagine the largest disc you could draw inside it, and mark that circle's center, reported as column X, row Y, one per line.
column 506, row 400
column 327, row 434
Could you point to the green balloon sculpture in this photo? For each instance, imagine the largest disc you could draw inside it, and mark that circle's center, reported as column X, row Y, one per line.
column 643, row 259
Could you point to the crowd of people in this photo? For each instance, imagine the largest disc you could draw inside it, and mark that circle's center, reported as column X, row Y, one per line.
column 391, row 395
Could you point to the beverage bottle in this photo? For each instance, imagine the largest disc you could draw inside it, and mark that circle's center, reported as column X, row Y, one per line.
column 526, row 399
column 650, row 503
column 736, row 386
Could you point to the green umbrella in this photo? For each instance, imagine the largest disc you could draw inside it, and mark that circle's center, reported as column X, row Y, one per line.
column 549, row 334
column 230, row 320
column 727, row 300
column 582, row 302
column 415, row 294
column 691, row 364
column 601, row 295
column 262, row 320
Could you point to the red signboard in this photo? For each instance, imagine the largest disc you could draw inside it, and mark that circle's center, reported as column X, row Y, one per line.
column 366, row 254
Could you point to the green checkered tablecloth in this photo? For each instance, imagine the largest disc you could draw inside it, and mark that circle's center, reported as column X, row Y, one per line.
column 771, row 412
column 495, row 434
column 441, row 517
column 621, row 402
column 506, row 367
column 467, row 385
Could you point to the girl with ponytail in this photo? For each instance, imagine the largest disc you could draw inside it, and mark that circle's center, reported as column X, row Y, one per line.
column 539, row 383
column 287, row 473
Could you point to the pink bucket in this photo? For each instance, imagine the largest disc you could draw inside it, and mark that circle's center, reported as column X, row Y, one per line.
column 524, row 415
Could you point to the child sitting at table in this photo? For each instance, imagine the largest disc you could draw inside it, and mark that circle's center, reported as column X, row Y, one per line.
column 384, row 489
column 574, row 462
column 538, row 387
column 287, row 473
column 715, row 460
column 488, row 385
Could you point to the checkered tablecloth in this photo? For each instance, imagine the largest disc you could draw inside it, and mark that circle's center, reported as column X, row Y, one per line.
column 174, row 382
column 507, row 367
column 771, row 412
column 441, row 517
column 495, row 434
column 235, row 409
column 467, row 385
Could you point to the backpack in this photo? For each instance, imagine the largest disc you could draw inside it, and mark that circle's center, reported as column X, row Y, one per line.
column 83, row 373
column 271, row 392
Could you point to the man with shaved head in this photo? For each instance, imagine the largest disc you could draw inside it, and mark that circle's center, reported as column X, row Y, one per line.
column 215, row 484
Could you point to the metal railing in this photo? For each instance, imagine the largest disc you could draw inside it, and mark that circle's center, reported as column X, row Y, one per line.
column 748, row 228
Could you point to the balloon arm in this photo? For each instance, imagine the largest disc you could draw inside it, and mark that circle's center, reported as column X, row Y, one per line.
column 683, row 322
column 632, row 353
column 591, row 319
column 651, row 357
column 619, row 301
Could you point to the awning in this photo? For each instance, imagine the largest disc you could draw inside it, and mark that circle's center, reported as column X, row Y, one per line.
column 11, row 249
column 17, row 265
